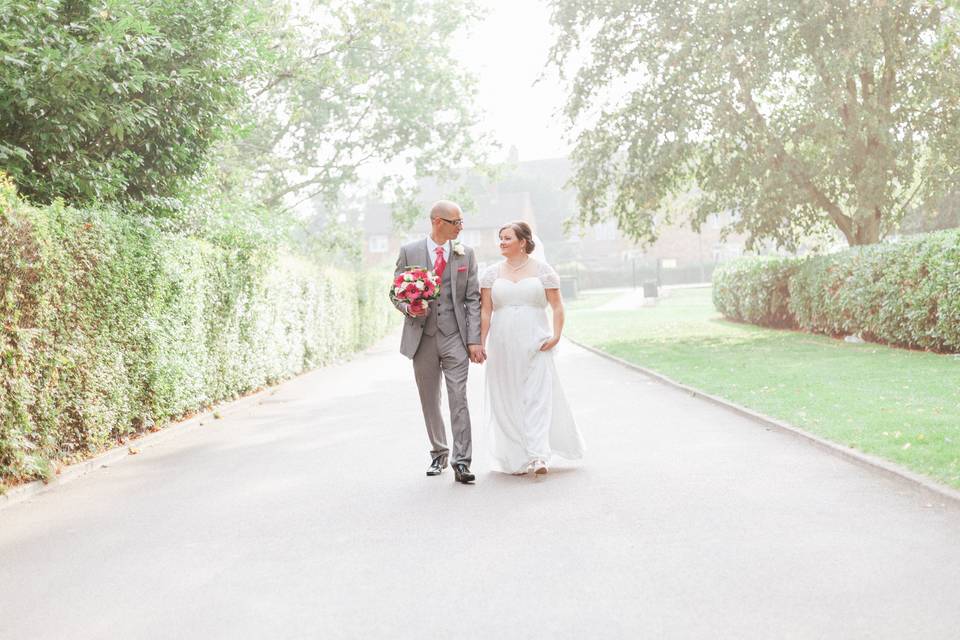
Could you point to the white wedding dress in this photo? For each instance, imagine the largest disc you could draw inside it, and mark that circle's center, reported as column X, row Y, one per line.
column 525, row 409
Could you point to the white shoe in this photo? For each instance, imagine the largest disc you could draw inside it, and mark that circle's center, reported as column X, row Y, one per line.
column 539, row 467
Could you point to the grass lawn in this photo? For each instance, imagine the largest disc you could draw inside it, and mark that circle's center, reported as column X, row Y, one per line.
column 898, row 404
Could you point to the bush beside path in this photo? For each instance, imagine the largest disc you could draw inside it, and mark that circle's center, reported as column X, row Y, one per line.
column 112, row 327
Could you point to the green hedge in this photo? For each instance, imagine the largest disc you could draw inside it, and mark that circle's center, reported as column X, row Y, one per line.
column 755, row 290
column 110, row 326
column 905, row 294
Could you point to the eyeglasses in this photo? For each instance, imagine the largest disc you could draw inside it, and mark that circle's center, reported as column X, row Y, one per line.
column 457, row 223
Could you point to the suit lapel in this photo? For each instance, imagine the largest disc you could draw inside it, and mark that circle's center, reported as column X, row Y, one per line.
column 425, row 248
column 452, row 265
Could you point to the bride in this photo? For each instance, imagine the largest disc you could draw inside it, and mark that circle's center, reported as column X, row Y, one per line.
column 526, row 411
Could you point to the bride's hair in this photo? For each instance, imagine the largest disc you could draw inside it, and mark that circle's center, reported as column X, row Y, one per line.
column 523, row 231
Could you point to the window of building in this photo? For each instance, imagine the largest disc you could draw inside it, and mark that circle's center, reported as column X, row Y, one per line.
column 378, row 244
column 471, row 238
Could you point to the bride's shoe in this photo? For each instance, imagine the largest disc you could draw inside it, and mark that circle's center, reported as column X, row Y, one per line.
column 525, row 470
column 539, row 467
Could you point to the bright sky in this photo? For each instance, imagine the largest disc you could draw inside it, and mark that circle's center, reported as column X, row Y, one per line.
column 507, row 52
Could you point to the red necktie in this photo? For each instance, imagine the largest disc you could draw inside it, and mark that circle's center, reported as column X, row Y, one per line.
column 439, row 264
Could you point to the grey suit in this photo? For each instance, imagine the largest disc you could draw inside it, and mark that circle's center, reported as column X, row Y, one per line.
column 437, row 344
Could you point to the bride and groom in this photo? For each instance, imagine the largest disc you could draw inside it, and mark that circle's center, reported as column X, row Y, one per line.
column 497, row 318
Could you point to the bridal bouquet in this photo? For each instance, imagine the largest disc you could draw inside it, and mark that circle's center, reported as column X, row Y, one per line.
column 416, row 286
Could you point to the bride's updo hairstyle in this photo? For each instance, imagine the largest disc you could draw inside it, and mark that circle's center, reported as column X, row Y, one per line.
column 523, row 232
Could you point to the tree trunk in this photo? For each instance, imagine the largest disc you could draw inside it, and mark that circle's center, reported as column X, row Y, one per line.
column 867, row 230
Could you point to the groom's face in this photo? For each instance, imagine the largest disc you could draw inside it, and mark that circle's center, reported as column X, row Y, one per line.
column 448, row 226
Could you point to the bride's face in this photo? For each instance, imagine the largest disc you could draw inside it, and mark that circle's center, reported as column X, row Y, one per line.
column 509, row 245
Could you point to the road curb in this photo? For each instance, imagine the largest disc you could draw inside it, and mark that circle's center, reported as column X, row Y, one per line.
column 853, row 455
column 20, row 493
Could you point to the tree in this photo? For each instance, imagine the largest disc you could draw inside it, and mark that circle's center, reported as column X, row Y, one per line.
column 799, row 117
column 353, row 83
column 118, row 100
column 944, row 214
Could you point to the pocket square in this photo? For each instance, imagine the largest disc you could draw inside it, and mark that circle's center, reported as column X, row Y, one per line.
column 461, row 269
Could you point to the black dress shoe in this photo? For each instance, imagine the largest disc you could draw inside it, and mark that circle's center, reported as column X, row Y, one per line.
column 462, row 473
column 437, row 466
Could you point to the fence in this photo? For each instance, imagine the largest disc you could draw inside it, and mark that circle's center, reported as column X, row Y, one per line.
column 629, row 274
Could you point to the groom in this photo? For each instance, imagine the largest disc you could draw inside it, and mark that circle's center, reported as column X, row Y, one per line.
column 444, row 338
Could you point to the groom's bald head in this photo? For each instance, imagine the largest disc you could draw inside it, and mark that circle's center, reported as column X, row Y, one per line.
column 445, row 209
column 446, row 219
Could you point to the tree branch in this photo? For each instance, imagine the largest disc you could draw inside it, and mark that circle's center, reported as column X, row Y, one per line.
column 287, row 74
column 792, row 166
column 275, row 198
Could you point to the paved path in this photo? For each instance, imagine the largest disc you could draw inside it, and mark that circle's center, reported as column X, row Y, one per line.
column 309, row 516
column 628, row 300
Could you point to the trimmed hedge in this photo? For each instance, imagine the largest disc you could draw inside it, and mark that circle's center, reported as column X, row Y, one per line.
column 755, row 290
column 905, row 294
column 110, row 327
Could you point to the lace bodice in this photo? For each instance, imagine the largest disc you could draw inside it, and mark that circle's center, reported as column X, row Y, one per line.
column 528, row 290
column 535, row 269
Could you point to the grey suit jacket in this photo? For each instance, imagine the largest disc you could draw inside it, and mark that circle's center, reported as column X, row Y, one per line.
column 466, row 294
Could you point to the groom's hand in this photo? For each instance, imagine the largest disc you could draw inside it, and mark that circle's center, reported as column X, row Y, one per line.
column 477, row 354
column 417, row 313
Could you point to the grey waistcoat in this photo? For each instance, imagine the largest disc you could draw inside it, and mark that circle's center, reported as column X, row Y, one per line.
column 441, row 310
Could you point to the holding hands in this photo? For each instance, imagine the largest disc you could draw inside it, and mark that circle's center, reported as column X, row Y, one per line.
column 478, row 354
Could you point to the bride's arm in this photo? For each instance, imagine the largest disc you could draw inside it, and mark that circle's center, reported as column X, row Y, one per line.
column 486, row 310
column 556, row 303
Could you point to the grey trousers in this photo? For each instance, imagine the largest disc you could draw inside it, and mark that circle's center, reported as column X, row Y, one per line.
column 444, row 356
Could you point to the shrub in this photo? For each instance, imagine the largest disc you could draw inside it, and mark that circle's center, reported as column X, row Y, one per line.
column 905, row 294
column 755, row 290
column 110, row 326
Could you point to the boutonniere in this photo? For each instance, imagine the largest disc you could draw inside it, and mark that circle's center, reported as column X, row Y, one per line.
column 458, row 249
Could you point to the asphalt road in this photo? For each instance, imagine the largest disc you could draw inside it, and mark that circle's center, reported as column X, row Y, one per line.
column 309, row 516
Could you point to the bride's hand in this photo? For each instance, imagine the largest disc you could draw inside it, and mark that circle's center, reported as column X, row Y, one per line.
column 550, row 344
column 477, row 353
